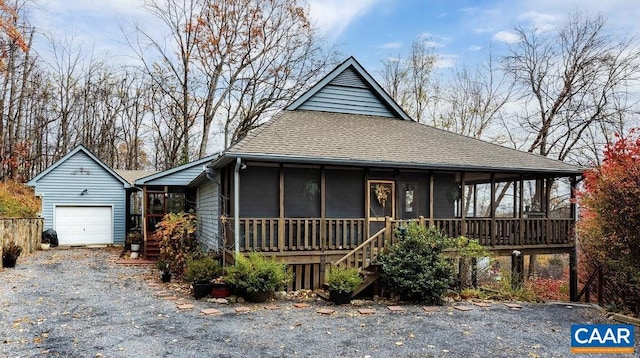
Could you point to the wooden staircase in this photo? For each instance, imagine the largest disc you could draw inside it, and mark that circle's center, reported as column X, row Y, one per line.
column 364, row 257
column 151, row 248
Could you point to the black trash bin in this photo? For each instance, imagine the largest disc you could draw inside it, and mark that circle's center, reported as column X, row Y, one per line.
column 50, row 236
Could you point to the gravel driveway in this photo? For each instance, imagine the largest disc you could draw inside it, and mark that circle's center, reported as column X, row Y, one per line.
column 79, row 303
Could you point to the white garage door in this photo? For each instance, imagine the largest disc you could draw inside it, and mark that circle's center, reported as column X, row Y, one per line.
column 84, row 225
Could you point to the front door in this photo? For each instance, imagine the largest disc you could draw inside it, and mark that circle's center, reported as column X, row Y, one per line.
column 381, row 203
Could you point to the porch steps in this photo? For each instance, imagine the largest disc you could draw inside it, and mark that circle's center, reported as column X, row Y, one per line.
column 370, row 274
column 151, row 249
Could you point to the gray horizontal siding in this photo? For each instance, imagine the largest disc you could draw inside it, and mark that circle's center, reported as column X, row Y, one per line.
column 63, row 185
column 208, row 213
column 347, row 100
column 182, row 177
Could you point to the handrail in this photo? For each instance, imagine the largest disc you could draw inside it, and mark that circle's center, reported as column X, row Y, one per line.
column 360, row 247
column 586, row 288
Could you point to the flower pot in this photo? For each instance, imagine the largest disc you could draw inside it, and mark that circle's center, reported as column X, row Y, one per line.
column 135, row 247
column 44, row 246
column 9, row 261
column 220, row 290
column 340, row 298
column 165, row 276
column 258, row 296
column 134, row 255
column 201, row 290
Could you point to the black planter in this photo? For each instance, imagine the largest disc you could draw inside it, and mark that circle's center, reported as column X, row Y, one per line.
column 258, row 296
column 9, row 261
column 201, row 290
column 341, row 298
column 165, row 276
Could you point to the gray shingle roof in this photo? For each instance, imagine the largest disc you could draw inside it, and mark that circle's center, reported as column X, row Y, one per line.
column 132, row 175
column 337, row 138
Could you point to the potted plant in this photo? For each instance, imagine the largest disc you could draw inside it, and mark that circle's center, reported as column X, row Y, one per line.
column 10, row 253
column 45, row 242
column 165, row 274
column 135, row 240
column 342, row 281
column 256, row 276
column 201, row 272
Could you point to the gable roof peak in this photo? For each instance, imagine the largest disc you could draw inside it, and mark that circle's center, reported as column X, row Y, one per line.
column 74, row 151
column 348, row 74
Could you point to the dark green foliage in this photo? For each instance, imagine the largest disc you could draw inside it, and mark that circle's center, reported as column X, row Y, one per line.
column 202, row 270
column 343, row 279
column 257, row 273
column 414, row 268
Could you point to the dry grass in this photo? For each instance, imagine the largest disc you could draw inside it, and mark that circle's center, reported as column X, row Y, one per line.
column 17, row 200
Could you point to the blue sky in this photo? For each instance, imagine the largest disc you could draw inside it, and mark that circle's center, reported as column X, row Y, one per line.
column 371, row 30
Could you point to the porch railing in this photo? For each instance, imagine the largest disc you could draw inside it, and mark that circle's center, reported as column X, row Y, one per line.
column 316, row 234
column 300, row 234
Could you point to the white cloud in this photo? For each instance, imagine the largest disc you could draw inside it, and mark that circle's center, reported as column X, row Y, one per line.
column 506, row 36
column 391, row 45
column 333, row 16
column 434, row 40
column 474, row 48
column 446, row 61
column 541, row 21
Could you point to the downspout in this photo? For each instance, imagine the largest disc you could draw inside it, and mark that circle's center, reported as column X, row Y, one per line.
column 236, row 205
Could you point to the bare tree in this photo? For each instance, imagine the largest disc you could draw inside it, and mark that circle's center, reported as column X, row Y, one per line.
column 16, row 64
column 135, row 108
column 168, row 61
column 254, row 55
column 572, row 81
column 409, row 81
column 473, row 100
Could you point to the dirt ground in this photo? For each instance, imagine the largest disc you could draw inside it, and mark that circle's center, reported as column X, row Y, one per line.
column 79, row 303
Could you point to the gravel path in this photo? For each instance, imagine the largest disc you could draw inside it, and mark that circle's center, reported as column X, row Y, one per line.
column 79, row 303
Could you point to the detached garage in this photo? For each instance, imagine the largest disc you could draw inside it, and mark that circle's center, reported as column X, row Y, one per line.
column 83, row 199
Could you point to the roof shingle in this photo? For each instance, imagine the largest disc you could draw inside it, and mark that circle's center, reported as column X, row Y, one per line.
column 323, row 137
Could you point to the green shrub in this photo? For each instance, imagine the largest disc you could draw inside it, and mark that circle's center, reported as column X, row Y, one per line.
column 256, row 273
column 414, row 268
column 202, row 270
column 343, row 279
column 177, row 239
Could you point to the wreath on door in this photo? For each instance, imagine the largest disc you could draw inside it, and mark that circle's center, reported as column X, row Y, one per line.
column 382, row 193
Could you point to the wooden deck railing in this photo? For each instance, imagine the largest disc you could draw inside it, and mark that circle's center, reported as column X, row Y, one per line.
column 507, row 231
column 316, row 234
column 300, row 234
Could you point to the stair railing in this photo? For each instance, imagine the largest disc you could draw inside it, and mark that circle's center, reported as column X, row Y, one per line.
column 367, row 252
column 586, row 291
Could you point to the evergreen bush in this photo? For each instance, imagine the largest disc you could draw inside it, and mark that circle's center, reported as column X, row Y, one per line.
column 414, row 268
